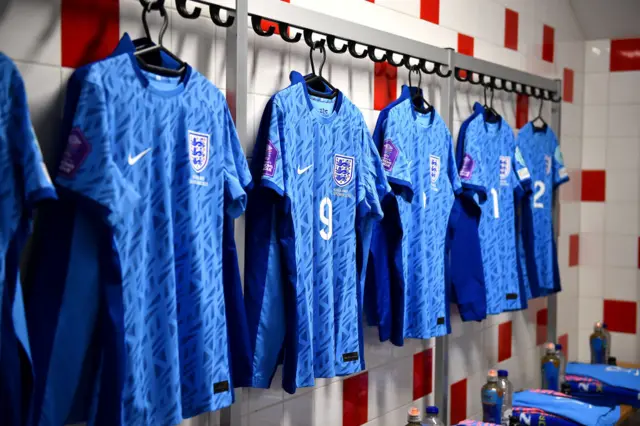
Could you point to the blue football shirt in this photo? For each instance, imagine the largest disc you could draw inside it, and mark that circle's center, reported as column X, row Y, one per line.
column 537, row 243
column 493, row 166
column 24, row 182
column 325, row 182
column 158, row 156
column 418, row 154
column 566, row 407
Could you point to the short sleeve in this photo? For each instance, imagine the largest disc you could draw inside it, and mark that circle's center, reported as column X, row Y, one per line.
column 471, row 174
column 236, row 171
column 372, row 182
column 35, row 178
column 522, row 173
column 560, row 174
column 452, row 168
column 273, row 166
column 87, row 167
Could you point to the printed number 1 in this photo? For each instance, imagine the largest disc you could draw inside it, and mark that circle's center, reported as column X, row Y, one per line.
column 539, row 188
column 496, row 206
column 326, row 218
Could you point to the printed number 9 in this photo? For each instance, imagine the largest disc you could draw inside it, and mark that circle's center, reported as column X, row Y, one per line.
column 496, row 207
column 326, row 218
column 539, row 188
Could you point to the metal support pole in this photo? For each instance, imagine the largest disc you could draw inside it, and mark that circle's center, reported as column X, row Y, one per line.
column 441, row 387
column 552, row 301
column 237, row 98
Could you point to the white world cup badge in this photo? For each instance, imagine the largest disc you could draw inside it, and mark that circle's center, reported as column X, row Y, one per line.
column 343, row 169
column 198, row 150
column 434, row 169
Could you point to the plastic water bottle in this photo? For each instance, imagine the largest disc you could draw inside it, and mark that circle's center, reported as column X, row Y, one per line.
column 598, row 344
column 492, row 396
column 507, row 388
column 606, row 332
column 563, row 362
column 550, row 368
column 431, row 417
column 413, row 417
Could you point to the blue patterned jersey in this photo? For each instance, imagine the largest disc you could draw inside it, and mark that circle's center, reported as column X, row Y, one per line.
column 325, row 181
column 24, row 181
column 564, row 407
column 493, row 166
column 159, row 156
column 418, row 155
column 537, row 243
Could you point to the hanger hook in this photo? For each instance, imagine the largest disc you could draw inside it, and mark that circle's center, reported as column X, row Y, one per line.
column 283, row 29
column 351, row 45
column 401, row 62
column 165, row 22
column 540, row 107
column 181, row 5
column 371, row 51
column 317, row 45
column 214, row 11
column 416, row 69
column 331, row 43
column 256, row 23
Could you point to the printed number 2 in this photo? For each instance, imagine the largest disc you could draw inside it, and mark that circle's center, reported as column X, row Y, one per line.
column 326, row 218
column 539, row 188
column 496, row 206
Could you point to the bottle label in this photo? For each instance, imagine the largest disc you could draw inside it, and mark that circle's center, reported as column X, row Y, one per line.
column 491, row 406
column 598, row 350
column 550, row 375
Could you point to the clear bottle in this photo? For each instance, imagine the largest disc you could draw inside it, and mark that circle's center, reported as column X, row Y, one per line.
column 563, row 362
column 598, row 344
column 492, row 396
column 550, row 368
column 507, row 388
column 413, row 417
column 607, row 333
column 431, row 417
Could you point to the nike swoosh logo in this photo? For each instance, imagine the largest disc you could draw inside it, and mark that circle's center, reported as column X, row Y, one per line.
column 301, row 171
column 134, row 160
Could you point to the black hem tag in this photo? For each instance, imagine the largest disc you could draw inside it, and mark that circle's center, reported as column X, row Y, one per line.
column 221, row 387
column 351, row 356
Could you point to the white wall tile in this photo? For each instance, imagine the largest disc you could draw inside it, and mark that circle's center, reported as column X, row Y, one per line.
column 624, row 87
column 623, row 120
column 595, row 121
column 194, row 42
column 591, row 309
column 591, row 281
column 570, row 280
column 622, row 185
column 584, row 353
column 621, row 251
column 570, row 220
column 390, row 386
column 622, row 218
column 623, row 153
column 572, row 151
column 572, row 119
column 591, row 249
column 30, row 31
column 592, row 217
column 408, row 7
column 621, row 284
column 594, row 152
column 624, row 346
column 596, row 56
column 268, row 64
column 596, row 89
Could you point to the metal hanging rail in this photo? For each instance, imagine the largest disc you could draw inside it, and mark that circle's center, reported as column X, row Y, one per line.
column 379, row 46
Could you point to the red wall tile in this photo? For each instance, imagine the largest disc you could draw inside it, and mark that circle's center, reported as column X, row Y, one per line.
column 422, row 373
column 90, row 30
column 625, row 55
column 355, row 400
column 621, row 315
column 574, row 250
column 511, row 29
column 504, row 341
column 522, row 110
column 541, row 326
column 567, row 89
column 465, row 44
column 458, row 402
column 385, row 82
column 371, row 1
column 548, row 41
column 564, row 341
column 430, row 10
column 594, row 185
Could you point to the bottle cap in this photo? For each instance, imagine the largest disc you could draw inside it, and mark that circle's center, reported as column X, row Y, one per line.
column 413, row 415
column 604, row 325
column 503, row 373
column 492, row 376
column 558, row 347
column 550, row 348
column 597, row 326
column 432, row 409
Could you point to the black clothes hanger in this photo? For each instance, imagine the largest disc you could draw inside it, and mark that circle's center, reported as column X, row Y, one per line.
column 539, row 118
column 490, row 114
column 317, row 82
column 150, row 57
column 418, row 101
